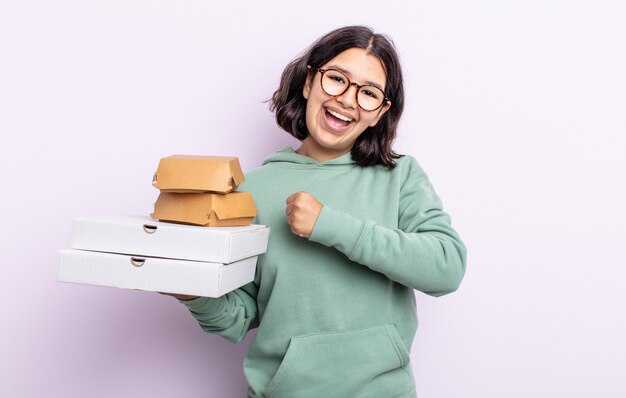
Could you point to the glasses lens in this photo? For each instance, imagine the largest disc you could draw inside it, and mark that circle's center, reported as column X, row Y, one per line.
column 370, row 97
column 336, row 83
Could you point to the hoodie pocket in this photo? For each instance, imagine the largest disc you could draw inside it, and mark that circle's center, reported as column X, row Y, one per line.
column 365, row 362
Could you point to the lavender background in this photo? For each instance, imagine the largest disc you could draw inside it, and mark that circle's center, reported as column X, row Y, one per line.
column 517, row 111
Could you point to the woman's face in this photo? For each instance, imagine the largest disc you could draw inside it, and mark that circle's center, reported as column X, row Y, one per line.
column 334, row 123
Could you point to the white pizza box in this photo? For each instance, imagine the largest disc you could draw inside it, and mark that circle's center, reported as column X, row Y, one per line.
column 144, row 236
column 198, row 278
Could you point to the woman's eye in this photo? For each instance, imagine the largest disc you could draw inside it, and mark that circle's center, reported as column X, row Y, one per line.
column 369, row 93
column 337, row 79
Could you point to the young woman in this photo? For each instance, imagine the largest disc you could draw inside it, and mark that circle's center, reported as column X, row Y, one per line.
column 355, row 228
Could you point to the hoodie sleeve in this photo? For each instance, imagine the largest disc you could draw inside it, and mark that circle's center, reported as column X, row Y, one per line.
column 424, row 252
column 229, row 316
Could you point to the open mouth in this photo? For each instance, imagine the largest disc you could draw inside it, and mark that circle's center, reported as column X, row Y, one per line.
column 337, row 120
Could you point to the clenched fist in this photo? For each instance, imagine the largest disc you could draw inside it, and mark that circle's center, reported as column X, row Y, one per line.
column 302, row 211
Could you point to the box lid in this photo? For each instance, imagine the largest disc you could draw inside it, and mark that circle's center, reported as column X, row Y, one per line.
column 143, row 236
column 196, row 173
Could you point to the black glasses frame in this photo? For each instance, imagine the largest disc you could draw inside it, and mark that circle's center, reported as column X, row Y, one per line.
column 350, row 84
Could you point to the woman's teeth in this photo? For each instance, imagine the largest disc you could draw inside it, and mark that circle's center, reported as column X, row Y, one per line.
column 340, row 116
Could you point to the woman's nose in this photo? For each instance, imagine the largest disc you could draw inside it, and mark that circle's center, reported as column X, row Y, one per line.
column 348, row 98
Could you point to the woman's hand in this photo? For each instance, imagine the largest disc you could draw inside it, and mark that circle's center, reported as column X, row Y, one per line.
column 184, row 297
column 302, row 211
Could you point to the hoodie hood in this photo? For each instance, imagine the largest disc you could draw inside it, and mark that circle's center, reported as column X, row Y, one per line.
column 287, row 157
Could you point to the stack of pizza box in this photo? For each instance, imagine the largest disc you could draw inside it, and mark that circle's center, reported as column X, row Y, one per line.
column 200, row 240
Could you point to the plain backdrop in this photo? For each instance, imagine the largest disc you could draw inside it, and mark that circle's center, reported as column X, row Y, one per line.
column 515, row 109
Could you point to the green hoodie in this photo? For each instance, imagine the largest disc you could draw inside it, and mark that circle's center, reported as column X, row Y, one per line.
column 336, row 312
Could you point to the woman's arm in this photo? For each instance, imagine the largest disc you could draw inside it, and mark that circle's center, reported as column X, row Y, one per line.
column 424, row 252
column 229, row 316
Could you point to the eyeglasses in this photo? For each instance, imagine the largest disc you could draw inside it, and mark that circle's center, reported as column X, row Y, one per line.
column 335, row 83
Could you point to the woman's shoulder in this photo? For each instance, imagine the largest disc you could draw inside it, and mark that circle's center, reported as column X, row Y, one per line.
column 407, row 164
column 410, row 172
column 261, row 175
column 253, row 175
column 405, row 160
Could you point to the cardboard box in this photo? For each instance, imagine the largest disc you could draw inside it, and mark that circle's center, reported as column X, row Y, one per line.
column 191, row 173
column 154, row 274
column 208, row 209
column 138, row 235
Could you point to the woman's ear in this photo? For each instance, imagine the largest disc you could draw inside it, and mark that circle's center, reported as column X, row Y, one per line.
column 306, row 90
column 381, row 112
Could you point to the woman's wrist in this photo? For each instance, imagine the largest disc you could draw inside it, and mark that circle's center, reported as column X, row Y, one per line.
column 181, row 297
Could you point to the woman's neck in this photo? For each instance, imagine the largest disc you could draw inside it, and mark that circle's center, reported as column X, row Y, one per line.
column 317, row 152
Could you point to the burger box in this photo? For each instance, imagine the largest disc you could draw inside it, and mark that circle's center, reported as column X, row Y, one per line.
column 166, row 275
column 207, row 209
column 193, row 173
column 143, row 236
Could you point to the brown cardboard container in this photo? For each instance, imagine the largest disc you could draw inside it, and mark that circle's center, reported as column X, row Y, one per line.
column 208, row 209
column 193, row 173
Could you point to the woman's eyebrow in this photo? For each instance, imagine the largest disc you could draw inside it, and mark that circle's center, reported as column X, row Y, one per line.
column 368, row 83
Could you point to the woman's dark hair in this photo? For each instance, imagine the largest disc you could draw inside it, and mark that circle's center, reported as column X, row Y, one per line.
column 373, row 146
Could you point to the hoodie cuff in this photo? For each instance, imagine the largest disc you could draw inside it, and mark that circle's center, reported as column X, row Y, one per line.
column 337, row 229
column 205, row 305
